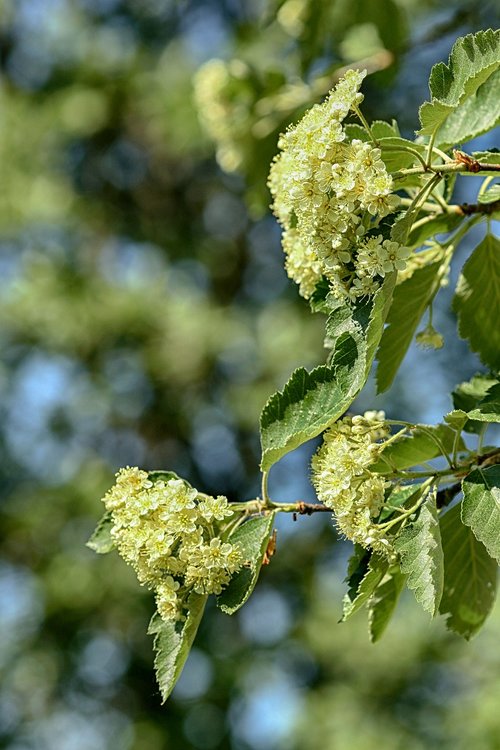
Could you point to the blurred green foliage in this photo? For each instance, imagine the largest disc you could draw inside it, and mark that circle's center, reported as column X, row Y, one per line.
column 145, row 318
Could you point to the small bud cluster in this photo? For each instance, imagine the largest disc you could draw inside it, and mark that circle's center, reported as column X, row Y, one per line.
column 344, row 482
column 429, row 338
column 327, row 194
column 167, row 532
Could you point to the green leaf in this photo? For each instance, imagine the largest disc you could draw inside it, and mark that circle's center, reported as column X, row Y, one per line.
column 397, row 498
column 410, row 300
column 487, row 157
column 421, row 553
column 476, row 115
column 362, row 583
column 173, row 641
column 473, row 59
column 491, row 194
column 418, row 447
column 441, row 224
column 253, row 537
column 401, row 227
column 470, row 577
column 382, row 603
column 477, row 301
column 101, row 540
column 311, row 401
column 468, row 395
column 379, row 129
column 488, row 410
column 457, row 419
column 163, row 476
column 394, row 153
column 481, row 507
column 381, row 305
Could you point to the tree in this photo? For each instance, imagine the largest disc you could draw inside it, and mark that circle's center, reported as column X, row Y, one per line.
column 361, row 209
column 146, row 318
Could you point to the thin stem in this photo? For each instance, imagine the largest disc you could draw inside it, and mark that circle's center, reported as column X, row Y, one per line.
column 393, row 438
column 439, row 444
column 482, row 435
column 420, row 474
column 409, row 511
column 453, row 241
column 456, row 442
column 487, row 181
column 365, row 124
column 428, row 207
column 408, row 149
column 439, row 199
column 442, row 154
column 422, row 195
column 430, row 147
column 452, row 166
column 265, row 495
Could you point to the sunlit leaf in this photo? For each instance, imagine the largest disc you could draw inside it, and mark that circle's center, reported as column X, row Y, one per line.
column 477, row 301
column 409, row 303
column 421, row 553
column 253, row 537
column 481, row 507
column 470, row 577
column 173, row 642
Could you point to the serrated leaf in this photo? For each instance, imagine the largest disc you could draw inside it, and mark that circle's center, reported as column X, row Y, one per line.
column 101, row 540
column 473, row 59
column 468, row 395
column 362, row 584
column 477, row 301
column 252, row 536
column 382, row 603
column 421, row 553
column 173, row 642
column 381, row 305
column 311, row 401
column 401, row 227
column 488, row 410
column 478, row 114
column 416, row 448
column 487, row 157
column 470, row 576
column 441, row 224
column 410, row 301
column 481, row 507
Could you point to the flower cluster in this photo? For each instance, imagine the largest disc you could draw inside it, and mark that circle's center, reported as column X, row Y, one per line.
column 429, row 338
column 167, row 531
column 328, row 195
column 344, row 482
column 224, row 106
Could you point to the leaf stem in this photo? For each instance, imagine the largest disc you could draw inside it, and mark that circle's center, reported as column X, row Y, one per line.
column 452, row 166
column 365, row 124
column 408, row 149
column 439, row 444
column 264, row 489
column 430, row 147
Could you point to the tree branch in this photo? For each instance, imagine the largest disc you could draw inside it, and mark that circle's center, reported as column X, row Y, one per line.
column 467, row 209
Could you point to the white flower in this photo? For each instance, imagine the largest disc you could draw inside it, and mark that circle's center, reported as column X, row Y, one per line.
column 169, row 534
column 323, row 188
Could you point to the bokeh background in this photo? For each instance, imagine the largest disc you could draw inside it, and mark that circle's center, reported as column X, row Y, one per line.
column 145, row 317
